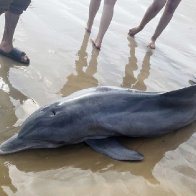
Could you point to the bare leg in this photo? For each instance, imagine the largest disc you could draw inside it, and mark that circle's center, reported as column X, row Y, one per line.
column 93, row 8
column 106, row 18
column 170, row 8
column 6, row 44
column 151, row 12
column 11, row 21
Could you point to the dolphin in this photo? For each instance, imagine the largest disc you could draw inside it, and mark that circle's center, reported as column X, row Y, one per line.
column 97, row 116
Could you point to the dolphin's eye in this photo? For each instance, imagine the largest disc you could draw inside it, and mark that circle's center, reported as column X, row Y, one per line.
column 53, row 113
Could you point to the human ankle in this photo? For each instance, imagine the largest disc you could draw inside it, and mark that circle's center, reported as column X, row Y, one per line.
column 89, row 26
column 140, row 27
column 6, row 46
column 153, row 39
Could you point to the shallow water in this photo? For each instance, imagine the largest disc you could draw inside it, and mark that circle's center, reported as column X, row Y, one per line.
column 63, row 61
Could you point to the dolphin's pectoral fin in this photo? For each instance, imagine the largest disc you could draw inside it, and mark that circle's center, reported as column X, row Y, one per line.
column 112, row 148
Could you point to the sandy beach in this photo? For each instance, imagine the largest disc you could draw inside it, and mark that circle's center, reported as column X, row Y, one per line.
column 63, row 61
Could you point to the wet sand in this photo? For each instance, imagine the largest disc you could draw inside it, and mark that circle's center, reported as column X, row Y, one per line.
column 62, row 62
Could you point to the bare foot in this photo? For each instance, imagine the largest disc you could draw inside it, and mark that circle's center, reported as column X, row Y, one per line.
column 152, row 44
column 96, row 45
column 134, row 31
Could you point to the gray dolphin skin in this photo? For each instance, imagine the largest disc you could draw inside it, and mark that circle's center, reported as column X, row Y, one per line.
column 97, row 116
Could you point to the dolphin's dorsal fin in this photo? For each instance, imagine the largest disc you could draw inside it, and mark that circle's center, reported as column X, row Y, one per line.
column 112, row 148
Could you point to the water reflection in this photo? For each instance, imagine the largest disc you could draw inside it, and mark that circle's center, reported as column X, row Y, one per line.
column 5, row 180
column 10, row 97
column 85, row 71
column 129, row 80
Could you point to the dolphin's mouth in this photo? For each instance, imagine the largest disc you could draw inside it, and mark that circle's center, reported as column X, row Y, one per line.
column 15, row 144
column 2, row 152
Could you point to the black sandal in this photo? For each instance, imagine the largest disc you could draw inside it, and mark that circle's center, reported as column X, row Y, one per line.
column 17, row 55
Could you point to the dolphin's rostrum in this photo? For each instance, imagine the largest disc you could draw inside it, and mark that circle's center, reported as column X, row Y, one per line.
column 97, row 116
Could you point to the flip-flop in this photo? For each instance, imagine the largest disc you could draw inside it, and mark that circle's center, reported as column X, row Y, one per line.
column 17, row 55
